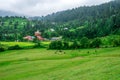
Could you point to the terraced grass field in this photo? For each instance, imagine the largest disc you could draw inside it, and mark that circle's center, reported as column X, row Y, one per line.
column 42, row 64
column 23, row 44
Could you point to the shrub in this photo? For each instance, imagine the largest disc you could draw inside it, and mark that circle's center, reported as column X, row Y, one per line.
column 56, row 45
column 38, row 44
column 96, row 43
column 15, row 47
column 75, row 45
column 65, row 45
column 116, row 42
column 52, row 45
column 2, row 49
column 59, row 45
column 84, row 42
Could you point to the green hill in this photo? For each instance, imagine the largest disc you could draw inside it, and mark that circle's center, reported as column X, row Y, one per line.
column 87, row 21
column 84, row 13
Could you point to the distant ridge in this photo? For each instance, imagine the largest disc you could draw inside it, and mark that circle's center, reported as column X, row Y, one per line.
column 83, row 12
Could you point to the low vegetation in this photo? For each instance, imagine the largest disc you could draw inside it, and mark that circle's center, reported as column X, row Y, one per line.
column 86, row 43
column 16, row 47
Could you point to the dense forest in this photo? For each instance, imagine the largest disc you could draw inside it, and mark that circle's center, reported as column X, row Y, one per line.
column 93, row 21
column 87, row 21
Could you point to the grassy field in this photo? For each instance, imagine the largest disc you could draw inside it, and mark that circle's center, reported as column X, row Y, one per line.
column 23, row 44
column 42, row 64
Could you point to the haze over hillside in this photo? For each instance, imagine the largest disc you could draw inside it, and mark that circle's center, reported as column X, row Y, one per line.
column 84, row 13
column 4, row 13
column 44, row 7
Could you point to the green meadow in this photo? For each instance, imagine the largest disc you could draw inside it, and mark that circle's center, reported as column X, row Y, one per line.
column 43, row 64
column 24, row 45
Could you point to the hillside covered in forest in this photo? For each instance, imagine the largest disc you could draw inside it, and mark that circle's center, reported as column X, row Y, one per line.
column 87, row 21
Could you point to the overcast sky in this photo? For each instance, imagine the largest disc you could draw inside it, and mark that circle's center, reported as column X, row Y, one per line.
column 44, row 7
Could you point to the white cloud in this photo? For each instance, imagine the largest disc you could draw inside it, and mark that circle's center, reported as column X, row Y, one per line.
column 44, row 7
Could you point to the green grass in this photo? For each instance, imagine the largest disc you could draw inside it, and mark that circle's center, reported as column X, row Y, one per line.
column 42, row 64
column 23, row 44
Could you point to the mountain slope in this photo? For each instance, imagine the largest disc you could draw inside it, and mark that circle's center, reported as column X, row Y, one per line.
column 91, row 22
column 84, row 13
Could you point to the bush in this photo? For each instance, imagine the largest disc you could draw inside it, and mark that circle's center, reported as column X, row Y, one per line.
column 65, row 45
column 56, row 45
column 96, row 43
column 116, row 42
column 38, row 44
column 2, row 49
column 52, row 45
column 84, row 42
column 75, row 45
column 16, row 47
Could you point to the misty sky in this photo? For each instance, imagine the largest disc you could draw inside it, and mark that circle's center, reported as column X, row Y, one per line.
column 44, row 7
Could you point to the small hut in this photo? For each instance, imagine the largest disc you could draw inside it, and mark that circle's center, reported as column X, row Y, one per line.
column 38, row 35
